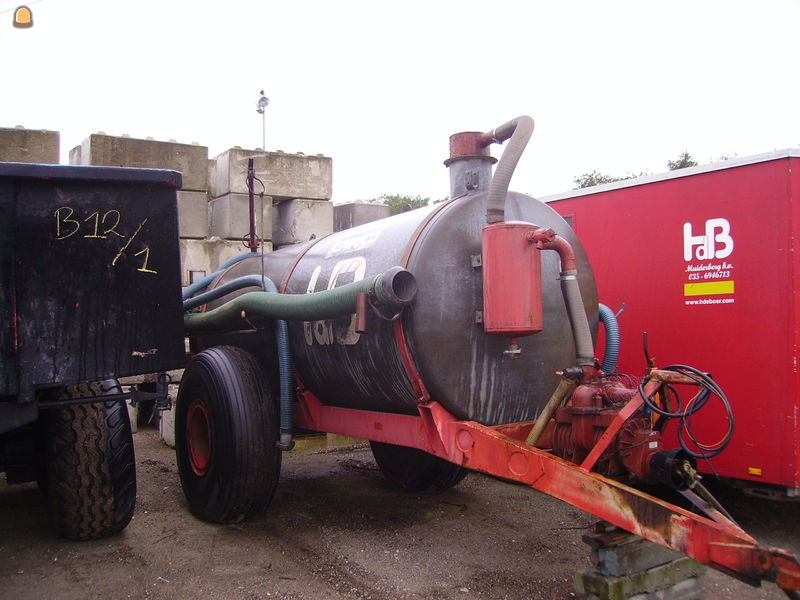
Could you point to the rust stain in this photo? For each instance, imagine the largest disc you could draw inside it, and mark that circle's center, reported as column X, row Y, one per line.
column 653, row 518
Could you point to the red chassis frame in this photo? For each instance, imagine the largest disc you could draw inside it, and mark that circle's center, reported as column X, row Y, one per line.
column 502, row 451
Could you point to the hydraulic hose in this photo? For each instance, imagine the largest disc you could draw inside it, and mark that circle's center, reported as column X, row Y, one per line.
column 281, row 340
column 708, row 388
column 225, row 289
column 393, row 289
column 285, row 374
column 203, row 283
column 519, row 131
column 609, row 320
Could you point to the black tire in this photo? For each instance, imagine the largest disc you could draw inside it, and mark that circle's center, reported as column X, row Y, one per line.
column 89, row 471
column 413, row 470
column 226, row 433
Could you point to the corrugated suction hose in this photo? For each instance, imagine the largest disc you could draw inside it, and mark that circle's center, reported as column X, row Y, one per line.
column 518, row 131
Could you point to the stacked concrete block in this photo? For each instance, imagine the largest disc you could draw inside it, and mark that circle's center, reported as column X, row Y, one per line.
column 208, row 255
column 285, row 176
column 299, row 220
column 108, row 150
column 190, row 159
column 299, row 186
column 192, row 214
column 627, row 567
column 29, row 145
column 230, row 216
column 346, row 216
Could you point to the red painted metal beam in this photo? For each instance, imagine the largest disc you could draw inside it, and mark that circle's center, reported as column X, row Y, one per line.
column 495, row 450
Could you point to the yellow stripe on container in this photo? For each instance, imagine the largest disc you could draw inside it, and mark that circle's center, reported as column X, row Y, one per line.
column 708, row 288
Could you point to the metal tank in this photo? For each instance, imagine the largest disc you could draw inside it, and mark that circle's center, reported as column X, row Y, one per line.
column 437, row 348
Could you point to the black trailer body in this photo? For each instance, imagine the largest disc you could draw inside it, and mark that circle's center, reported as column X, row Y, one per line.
column 89, row 278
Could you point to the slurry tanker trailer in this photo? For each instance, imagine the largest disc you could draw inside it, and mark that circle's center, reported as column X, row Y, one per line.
column 456, row 337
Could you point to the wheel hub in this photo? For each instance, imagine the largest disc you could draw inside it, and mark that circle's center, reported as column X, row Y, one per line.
column 198, row 430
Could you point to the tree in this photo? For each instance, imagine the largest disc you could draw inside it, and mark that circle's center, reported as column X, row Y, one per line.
column 684, row 160
column 594, row 178
column 398, row 203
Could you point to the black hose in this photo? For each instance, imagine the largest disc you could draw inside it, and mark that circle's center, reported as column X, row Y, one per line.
column 203, row 283
column 226, row 288
column 708, row 388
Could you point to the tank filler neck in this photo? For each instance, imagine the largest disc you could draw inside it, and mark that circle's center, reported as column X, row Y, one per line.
column 470, row 163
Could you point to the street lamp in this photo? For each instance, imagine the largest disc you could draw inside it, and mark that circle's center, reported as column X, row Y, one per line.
column 263, row 102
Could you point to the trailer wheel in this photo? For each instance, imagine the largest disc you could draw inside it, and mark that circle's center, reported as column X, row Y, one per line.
column 226, row 431
column 89, row 473
column 414, row 470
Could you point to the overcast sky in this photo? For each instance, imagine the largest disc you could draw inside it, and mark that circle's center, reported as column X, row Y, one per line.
column 379, row 86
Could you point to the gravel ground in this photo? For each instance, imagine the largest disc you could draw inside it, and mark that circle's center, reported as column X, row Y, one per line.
column 335, row 530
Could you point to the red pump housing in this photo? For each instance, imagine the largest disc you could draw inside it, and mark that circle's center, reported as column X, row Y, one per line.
column 589, row 412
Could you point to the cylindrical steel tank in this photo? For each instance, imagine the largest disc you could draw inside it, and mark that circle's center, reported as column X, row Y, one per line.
column 439, row 349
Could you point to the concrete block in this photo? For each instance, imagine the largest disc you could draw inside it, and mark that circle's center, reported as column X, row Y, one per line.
column 285, row 176
column 207, row 255
column 688, row 589
column 211, row 166
column 192, row 214
column 29, row 145
column 346, row 216
column 230, row 216
column 133, row 415
column 650, row 581
column 75, row 156
column 166, row 420
column 191, row 160
column 297, row 220
column 636, row 554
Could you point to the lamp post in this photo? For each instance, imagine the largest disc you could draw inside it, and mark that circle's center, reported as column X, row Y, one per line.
column 263, row 102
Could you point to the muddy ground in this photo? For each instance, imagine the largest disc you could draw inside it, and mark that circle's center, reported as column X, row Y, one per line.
column 335, row 530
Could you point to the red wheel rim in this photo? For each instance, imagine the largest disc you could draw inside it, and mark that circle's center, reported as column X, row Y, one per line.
column 198, row 433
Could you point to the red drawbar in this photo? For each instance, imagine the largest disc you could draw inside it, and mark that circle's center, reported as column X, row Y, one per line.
column 502, row 452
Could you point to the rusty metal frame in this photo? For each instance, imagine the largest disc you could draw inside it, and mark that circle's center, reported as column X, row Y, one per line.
column 502, row 451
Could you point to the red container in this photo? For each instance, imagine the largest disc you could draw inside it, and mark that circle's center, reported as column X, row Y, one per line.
column 512, row 280
column 705, row 260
